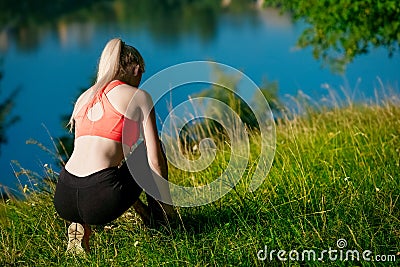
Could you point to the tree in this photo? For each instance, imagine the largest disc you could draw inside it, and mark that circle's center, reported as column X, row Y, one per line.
column 6, row 120
column 232, row 99
column 340, row 30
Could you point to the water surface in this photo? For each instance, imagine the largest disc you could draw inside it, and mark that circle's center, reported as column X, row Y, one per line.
column 62, row 61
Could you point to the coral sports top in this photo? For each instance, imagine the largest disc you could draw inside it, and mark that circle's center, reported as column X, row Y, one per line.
column 111, row 125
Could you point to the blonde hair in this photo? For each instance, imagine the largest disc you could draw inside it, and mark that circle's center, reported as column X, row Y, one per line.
column 116, row 63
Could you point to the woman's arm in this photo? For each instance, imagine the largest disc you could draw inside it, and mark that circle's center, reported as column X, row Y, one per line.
column 156, row 157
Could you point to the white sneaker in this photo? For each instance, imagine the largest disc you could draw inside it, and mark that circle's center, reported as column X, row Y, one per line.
column 75, row 236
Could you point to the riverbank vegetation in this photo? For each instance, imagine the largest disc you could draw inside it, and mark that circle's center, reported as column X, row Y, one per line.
column 335, row 176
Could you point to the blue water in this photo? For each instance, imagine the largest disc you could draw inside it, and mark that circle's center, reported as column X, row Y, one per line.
column 51, row 75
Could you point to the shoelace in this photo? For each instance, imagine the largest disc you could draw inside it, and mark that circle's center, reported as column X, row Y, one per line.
column 75, row 233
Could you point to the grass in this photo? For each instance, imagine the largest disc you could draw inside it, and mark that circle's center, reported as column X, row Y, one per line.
column 335, row 176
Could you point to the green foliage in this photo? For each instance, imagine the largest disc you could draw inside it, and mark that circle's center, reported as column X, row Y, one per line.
column 37, row 11
column 26, row 21
column 6, row 119
column 335, row 175
column 340, row 30
column 270, row 90
column 6, row 107
column 229, row 95
column 165, row 20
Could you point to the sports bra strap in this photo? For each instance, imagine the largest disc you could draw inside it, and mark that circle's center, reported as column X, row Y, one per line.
column 111, row 86
column 112, row 123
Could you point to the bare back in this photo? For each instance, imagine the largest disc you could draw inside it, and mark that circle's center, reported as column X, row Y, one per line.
column 94, row 153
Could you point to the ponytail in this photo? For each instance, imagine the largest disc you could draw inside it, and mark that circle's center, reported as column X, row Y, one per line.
column 108, row 68
column 109, row 61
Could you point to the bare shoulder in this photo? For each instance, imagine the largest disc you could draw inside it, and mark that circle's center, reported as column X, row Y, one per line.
column 123, row 91
column 121, row 96
column 140, row 103
column 83, row 95
column 82, row 99
column 128, row 91
column 144, row 96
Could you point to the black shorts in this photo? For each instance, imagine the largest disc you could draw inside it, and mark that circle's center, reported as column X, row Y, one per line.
column 95, row 199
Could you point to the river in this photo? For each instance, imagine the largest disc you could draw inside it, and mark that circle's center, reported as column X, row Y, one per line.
column 51, row 72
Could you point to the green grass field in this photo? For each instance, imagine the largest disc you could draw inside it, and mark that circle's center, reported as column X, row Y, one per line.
column 335, row 175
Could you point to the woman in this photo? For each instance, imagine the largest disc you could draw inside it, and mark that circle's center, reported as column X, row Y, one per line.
column 95, row 186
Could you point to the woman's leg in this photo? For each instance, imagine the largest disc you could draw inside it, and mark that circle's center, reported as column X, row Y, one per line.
column 86, row 236
column 140, row 171
column 143, row 211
